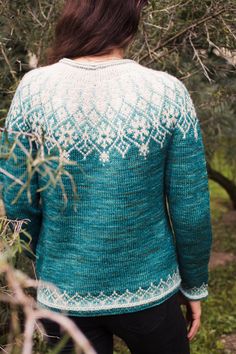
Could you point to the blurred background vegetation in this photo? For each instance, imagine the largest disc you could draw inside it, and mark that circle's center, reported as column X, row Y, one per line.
column 194, row 40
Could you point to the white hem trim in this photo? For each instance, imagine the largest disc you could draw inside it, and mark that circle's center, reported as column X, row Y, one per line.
column 52, row 297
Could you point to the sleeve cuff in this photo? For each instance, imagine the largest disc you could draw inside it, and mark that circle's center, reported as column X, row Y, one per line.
column 196, row 293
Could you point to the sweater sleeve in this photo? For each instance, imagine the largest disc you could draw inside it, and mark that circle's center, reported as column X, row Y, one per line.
column 188, row 199
column 16, row 172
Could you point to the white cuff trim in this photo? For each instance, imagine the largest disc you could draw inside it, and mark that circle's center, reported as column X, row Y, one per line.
column 195, row 293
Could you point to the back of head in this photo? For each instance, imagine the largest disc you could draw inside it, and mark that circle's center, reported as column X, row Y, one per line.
column 95, row 27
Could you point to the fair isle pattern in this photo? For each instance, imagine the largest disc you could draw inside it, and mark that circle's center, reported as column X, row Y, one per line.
column 50, row 296
column 112, row 122
column 136, row 136
column 196, row 292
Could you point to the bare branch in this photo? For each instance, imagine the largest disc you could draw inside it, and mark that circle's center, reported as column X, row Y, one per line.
column 12, row 72
column 33, row 313
column 183, row 31
column 204, row 67
column 16, row 180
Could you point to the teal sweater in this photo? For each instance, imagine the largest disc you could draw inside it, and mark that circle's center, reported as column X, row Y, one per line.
column 138, row 228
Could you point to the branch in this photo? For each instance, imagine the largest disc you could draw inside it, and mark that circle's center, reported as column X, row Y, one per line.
column 228, row 28
column 204, row 67
column 12, row 72
column 16, row 180
column 183, row 31
column 166, row 9
column 17, row 281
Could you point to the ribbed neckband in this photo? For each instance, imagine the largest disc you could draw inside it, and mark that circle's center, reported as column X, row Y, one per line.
column 95, row 64
column 97, row 71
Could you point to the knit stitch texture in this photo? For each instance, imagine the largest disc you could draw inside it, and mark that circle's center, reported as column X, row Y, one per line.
column 139, row 229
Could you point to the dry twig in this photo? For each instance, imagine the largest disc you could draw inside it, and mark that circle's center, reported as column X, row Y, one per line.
column 17, row 282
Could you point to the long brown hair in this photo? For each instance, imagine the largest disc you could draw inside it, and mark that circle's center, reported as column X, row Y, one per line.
column 94, row 27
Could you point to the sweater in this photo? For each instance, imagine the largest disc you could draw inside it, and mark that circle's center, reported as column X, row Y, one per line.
column 118, row 209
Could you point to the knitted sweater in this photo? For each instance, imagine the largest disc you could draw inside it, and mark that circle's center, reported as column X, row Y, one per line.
column 139, row 228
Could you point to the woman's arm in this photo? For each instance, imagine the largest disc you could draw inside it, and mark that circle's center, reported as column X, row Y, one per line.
column 20, row 180
column 187, row 192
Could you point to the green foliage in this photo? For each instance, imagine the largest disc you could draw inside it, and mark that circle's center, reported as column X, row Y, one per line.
column 18, row 42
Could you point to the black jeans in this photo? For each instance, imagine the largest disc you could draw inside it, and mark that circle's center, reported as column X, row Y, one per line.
column 160, row 329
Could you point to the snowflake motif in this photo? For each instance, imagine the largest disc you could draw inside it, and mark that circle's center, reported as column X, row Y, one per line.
column 104, row 156
column 144, row 150
column 170, row 117
column 140, row 129
column 156, row 122
column 34, row 121
column 65, row 135
column 91, row 122
column 121, row 130
column 105, row 136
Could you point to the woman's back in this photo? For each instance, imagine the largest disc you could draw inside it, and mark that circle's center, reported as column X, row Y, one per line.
column 136, row 140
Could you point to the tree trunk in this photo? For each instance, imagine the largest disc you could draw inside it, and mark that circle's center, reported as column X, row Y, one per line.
column 224, row 182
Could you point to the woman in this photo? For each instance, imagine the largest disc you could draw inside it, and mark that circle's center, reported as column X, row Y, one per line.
column 137, row 244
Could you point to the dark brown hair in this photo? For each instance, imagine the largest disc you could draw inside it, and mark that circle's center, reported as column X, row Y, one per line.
column 94, row 27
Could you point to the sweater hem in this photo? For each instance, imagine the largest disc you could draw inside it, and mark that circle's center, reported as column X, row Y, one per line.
column 116, row 303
